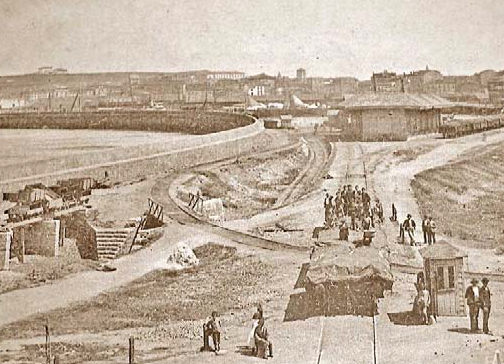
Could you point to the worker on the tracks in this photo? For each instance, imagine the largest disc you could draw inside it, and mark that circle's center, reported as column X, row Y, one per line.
column 486, row 304
column 351, row 213
column 366, row 221
column 472, row 296
column 366, row 199
column 327, row 209
column 343, row 231
column 394, row 213
column 262, row 340
column 378, row 211
column 409, row 228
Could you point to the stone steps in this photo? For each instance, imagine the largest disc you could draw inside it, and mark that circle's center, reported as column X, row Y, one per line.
column 109, row 242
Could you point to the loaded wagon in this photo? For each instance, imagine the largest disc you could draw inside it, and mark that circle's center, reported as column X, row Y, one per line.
column 348, row 282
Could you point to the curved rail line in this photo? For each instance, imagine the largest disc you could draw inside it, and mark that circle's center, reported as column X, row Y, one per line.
column 177, row 211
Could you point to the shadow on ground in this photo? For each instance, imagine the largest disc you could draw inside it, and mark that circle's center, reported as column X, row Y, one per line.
column 406, row 318
column 244, row 350
column 463, row 330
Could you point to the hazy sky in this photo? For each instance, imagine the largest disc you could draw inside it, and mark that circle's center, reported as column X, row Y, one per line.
column 327, row 37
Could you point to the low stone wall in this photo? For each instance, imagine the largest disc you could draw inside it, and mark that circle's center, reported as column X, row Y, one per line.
column 41, row 238
column 77, row 227
column 187, row 122
column 5, row 247
column 130, row 163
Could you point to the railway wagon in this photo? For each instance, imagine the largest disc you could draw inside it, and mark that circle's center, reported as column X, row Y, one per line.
column 457, row 128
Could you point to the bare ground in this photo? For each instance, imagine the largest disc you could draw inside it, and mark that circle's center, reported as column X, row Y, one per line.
column 160, row 307
column 250, row 185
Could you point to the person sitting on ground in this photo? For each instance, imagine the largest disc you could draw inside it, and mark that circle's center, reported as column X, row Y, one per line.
column 343, row 231
column 262, row 341
column 215, row 327
column 207, row 333
column 259, row 314
column 379, row 210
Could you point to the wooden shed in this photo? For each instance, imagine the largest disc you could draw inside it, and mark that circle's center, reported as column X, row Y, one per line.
column 444, row 270
column 390, row 116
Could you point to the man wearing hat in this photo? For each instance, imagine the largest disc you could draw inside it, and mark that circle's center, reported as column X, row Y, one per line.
column 485, row 298
column 472, row 296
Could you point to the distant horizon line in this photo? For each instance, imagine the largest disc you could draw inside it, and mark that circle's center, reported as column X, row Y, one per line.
column 231, row 71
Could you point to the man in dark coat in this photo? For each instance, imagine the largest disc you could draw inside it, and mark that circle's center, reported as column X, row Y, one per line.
column 486, row 304
column 425, row 230
column 472, row 296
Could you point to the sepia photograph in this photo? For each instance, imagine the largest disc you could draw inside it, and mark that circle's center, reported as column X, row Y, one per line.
column 235, row 182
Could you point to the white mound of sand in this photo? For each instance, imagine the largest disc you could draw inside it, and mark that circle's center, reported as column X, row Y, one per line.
column 182, row 257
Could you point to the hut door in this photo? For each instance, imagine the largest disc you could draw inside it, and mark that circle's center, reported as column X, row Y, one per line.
column 445, row 290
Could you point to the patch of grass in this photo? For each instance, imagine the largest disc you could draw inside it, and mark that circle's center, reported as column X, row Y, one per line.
column 466, row 198
column 223, row 281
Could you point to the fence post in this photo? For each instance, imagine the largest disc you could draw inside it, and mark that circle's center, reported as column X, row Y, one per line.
column 131, row 350
column 48, row 344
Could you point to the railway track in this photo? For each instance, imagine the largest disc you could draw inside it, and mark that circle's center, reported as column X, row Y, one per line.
column 319, row 160
column 351, row 170
column 177, row 211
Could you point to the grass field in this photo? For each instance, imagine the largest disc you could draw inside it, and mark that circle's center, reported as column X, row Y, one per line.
column 466, row 198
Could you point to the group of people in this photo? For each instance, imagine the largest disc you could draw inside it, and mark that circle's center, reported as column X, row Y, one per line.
column 479, row 299
column 408, row 227
column 352, row 208
column 258, row 337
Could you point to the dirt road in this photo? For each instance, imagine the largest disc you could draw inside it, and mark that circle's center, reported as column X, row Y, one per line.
column 86, row 285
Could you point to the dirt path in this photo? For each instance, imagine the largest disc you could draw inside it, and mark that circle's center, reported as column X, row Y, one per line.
column 85, row 285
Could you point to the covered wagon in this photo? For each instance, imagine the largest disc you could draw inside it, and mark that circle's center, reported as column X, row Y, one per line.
column 348, row 282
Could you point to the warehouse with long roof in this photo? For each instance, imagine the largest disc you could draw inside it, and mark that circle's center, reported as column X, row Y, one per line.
column 389, row 116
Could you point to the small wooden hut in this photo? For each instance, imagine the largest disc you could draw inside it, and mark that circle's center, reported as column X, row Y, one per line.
column 445, row 278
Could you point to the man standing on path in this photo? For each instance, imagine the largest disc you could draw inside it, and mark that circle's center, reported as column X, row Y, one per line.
column 432, row 231
column 409, row 228
column 472, row 296
column 486, row 304
column 394, row 213
column 327, row 211
column 426, row 230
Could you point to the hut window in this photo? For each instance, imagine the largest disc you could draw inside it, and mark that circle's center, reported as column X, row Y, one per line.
column 440, row 278
column 451, row 277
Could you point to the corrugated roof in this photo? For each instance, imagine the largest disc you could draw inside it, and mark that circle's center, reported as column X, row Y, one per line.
column 395, row 99
column 442, row 250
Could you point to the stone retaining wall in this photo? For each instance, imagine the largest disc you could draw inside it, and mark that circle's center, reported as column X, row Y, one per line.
column 131, row 163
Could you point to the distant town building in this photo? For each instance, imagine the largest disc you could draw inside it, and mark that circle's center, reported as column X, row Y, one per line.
column 59, row 71
column 301, row 74
column 257, row 90
column 12, row 103
column 387, row 82
column 496, row 89
column 233, row 75
column 485, row 76
column 48, row 70
column 45, row 70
